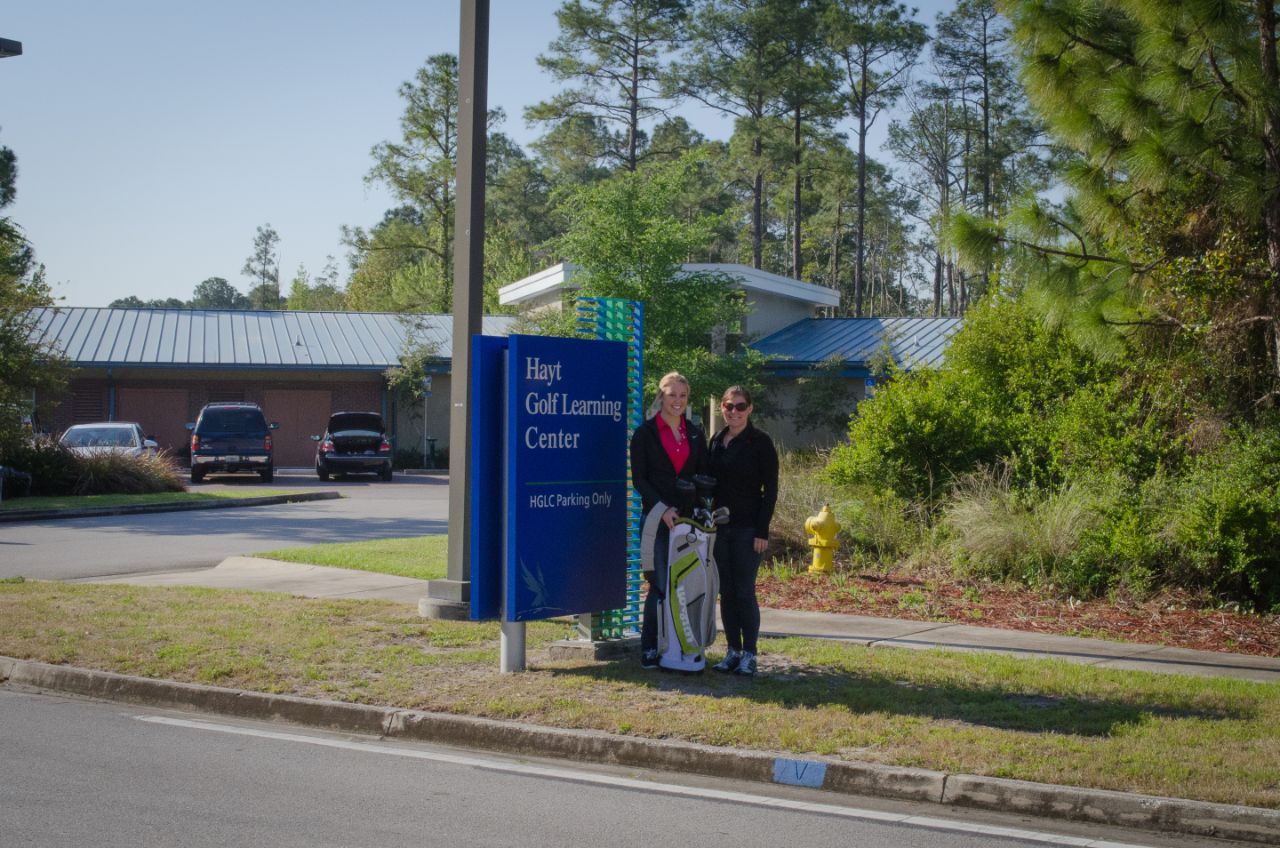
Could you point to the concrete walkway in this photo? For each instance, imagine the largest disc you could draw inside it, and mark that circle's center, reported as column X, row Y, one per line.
column 320, row 582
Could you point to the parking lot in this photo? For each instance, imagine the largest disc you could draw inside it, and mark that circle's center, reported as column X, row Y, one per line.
column 69, row 549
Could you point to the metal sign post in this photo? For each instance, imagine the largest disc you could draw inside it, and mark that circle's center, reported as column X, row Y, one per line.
column 450, row 598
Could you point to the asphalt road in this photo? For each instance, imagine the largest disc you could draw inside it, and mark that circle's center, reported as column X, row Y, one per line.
column 69, row 549
column 81, row 772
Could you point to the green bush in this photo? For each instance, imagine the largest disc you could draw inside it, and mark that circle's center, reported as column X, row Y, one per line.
column 878, row 528
column 1122, row 550
column 53, row 468
column 1223, row 519
column 56, row 471
column 1005, row 396
column 916, row 434
column 1045, row 466
column 1214, row 527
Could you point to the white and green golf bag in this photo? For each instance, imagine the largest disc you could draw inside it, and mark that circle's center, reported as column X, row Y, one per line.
column 687, row 609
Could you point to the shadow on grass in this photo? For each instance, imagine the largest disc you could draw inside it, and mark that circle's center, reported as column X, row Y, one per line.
column 867, row 692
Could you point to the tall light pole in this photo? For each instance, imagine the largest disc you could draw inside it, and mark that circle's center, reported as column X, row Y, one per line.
column 451, row 597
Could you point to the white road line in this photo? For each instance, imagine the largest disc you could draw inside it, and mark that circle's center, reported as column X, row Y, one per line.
column 527, row 769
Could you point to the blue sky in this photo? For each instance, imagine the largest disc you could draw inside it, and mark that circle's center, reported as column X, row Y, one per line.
column 154, row 136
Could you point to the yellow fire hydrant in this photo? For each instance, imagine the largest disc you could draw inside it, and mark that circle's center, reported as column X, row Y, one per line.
column 824, row 528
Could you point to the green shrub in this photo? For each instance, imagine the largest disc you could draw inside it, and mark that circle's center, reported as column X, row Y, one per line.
column 56, row 471
column 876, row 526
column 1001, row 398
column 917, row 433
column 1223, row 519
column 1120, row 549
column 52, row 467
column 1107, row 475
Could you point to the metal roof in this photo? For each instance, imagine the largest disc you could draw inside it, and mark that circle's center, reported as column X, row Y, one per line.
column 241, row 339
column 913, row 342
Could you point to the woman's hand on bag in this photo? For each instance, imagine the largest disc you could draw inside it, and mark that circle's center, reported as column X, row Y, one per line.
column 669, row 517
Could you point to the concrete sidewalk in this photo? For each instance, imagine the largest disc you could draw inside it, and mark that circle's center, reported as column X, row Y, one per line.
column 320, row 582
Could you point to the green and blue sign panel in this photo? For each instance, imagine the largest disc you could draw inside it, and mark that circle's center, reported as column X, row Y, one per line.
column 549, row 477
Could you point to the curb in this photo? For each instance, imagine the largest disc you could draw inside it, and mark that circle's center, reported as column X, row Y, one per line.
column 1094, row 806
column 139, row 509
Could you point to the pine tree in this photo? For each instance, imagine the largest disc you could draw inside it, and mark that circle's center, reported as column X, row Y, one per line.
column 737, row 64
column 876, row 42
column 1172, row 111
column 611, row 53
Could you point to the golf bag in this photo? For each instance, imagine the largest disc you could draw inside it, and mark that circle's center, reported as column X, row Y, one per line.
column 687, row 607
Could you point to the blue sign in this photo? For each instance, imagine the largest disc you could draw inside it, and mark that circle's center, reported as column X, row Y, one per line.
column 567, row 476
column 563, row 459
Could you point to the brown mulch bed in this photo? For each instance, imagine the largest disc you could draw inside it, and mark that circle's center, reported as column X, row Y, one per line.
column 1170, row 619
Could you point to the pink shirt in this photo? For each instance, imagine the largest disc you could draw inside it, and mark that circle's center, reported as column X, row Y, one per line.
column 677, row 450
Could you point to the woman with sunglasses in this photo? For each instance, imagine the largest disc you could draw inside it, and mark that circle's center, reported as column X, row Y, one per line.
column 665, row 448
column 745, row 465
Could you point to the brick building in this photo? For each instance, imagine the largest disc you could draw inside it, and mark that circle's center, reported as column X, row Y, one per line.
column 160, row 366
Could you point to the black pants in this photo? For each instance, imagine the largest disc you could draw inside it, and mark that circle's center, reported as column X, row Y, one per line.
column 738, row 564
column 657, row 583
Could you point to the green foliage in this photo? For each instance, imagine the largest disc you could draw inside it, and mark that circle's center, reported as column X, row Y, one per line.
column 117, row 474
column 418, row 362
column 217, row 293
column 321, row 293
column 877, row 527
column 53, row 468
column 26, row 368
column 997, row 531
column 135, row 302
column 56, row 471
column 607, row 62
column 419, row 168
column 916, row 434
column 1050, row 468
column 1224, row 521
column 1012, row 390
column 1169, row 242
column 629, row 242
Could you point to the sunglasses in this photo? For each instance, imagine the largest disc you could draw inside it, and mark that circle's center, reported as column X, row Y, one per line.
column 741, row 406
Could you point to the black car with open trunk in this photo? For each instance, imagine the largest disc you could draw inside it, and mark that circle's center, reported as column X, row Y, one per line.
column 353, row 443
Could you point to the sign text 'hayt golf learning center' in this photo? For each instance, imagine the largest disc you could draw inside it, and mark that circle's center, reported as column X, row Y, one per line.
column 566, row 476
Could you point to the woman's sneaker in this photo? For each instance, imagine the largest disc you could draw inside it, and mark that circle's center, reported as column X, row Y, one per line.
column 649, row 659
column 746, row 665
column 729, row 663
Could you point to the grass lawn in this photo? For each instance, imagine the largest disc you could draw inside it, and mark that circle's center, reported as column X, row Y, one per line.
column 87, row 501
column 421, row 557
column 1031, row 719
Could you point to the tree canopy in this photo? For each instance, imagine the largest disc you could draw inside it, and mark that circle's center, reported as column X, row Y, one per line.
column 26, row 367
column 628, row 241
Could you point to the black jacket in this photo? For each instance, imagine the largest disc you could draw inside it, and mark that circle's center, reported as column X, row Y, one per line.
column 652, row 473
column 746, row 472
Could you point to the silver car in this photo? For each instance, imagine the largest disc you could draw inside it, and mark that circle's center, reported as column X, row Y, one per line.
column 122, row 437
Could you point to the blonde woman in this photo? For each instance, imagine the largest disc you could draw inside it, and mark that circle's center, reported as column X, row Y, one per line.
column 665, row 448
